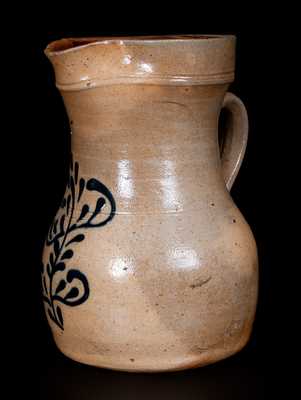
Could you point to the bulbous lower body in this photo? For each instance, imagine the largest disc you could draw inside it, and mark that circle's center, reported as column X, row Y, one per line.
column 166, row 292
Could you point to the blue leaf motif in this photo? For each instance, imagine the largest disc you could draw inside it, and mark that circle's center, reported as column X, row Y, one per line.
column 68, row 254
column 70, row 286
column 81, row 188
column 56, row 247
column 73, row 293
column 60, row 315
column 61, row 286
column 77, row 239
column 59, row 267
column 68, row 204
column 84, row 212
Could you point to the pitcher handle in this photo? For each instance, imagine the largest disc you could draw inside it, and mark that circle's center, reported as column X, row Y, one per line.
column 235, row 138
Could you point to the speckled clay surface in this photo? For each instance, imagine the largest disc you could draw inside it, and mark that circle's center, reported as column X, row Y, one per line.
column 170, row 280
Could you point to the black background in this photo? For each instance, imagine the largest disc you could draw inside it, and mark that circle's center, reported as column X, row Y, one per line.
column 42, row 176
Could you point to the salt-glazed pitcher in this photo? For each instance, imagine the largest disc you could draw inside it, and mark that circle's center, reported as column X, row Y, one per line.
column 149, row 265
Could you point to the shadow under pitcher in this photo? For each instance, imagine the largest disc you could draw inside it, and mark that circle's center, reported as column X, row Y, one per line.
column 148, row 264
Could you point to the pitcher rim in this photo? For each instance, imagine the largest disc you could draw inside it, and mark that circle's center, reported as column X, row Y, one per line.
column 72, row 44
column 88, row 62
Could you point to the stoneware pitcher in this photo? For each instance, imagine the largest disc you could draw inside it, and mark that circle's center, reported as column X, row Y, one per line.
column 149, row 265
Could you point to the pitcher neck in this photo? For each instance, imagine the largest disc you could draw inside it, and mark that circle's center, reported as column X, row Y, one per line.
column 146, row 123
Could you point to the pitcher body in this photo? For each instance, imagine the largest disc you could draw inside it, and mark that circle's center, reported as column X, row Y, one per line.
column 149, row 265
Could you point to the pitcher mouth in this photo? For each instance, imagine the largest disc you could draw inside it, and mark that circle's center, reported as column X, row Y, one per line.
column 86, row 63
column 69, row 44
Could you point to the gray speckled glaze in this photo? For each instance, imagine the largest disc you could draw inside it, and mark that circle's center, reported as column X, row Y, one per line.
column 173, row 276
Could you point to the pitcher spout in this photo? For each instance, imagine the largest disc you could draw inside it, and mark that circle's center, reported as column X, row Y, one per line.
column 84, row 63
